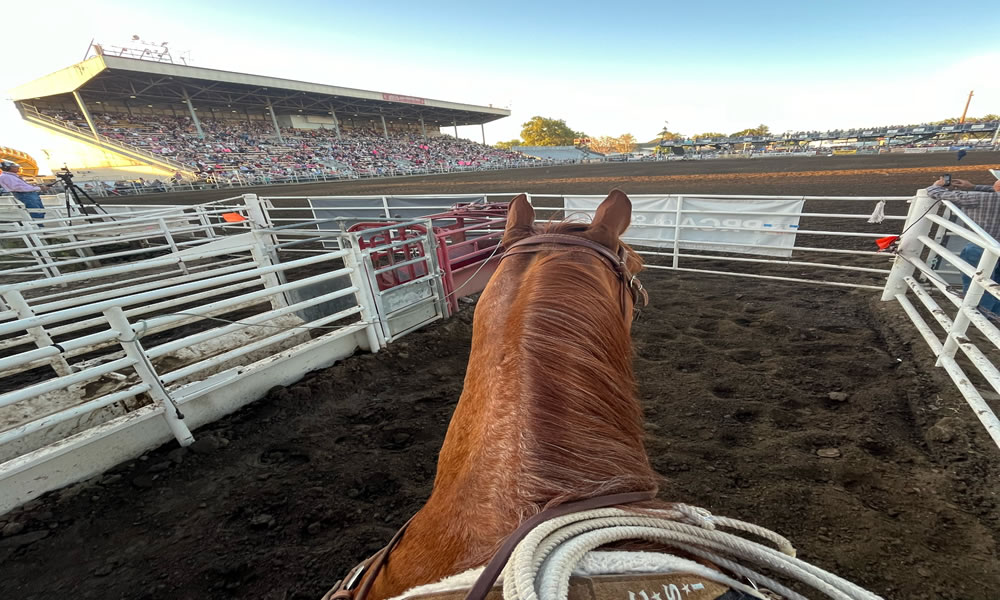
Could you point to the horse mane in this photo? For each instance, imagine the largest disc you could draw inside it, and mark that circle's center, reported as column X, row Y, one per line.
column 579, row 387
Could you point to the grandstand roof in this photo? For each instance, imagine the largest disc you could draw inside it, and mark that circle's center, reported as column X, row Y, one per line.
column 105, row 77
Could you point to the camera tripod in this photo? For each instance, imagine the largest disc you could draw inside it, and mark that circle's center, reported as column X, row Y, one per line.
column 76, row 192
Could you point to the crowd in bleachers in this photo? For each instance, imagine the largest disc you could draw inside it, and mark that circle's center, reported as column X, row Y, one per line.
column 252, row 150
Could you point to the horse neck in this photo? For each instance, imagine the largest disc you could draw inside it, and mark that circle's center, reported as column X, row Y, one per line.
column 550, row 384
column 547, row 415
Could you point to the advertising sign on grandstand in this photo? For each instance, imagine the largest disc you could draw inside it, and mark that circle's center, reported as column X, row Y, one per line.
column 713, row 224
column 400, row 98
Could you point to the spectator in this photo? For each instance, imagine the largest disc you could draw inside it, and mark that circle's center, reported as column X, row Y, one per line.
column 26, row 194
column 982, row 204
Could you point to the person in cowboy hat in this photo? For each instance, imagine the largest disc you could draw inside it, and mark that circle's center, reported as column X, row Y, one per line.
column 27, row 194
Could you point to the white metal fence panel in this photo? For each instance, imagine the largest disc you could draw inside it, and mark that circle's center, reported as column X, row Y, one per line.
column 99, row 364
column 974, row 371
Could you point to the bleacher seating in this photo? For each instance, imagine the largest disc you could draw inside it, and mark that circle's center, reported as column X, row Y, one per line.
column 253, row 151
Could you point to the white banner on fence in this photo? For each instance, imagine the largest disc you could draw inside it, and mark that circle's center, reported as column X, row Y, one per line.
column 716, row 224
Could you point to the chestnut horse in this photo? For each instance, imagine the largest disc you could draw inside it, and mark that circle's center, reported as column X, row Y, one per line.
column 548, row 414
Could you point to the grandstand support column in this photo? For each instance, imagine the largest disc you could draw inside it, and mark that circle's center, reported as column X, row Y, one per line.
column 455, row 125
column 86, row 114
column 423, row 130
column 336, row 121
column 482, row 130
column 274, row 120
column 194, row 115
column 385, row 129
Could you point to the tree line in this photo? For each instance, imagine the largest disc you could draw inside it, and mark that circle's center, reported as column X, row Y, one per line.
column 542, row 131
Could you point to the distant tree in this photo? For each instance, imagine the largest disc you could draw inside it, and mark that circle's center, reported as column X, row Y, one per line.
column 707, row 135
column 670, row 135
column 625, row 143
column 606, row 144
column 508, row 144
column 990, row 117
column 540, row 131
column 603, row 144
column 758, row 130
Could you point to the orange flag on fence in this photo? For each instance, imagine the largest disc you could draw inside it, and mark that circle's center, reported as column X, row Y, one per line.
column 885, row 242
column 233, row 217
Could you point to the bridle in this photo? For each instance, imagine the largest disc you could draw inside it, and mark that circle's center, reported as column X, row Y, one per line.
column 616, row 260
column 359, row 581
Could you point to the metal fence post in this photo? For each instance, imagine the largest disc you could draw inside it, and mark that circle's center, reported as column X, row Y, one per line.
column 984, row 270
column 263, row 251
column 16, row 301
column 203, row 219
column 157, row 391
column 677, row 230
column 909, row 245
column 430, row 245
column 170, row 242
column 38, row 249
column 360, row 279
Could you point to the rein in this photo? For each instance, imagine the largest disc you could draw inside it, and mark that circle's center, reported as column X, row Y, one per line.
column 359, row 580
column 615, row 260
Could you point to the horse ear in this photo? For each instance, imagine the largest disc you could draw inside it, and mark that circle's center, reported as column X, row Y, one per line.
column 612, row 219
column 520, row 219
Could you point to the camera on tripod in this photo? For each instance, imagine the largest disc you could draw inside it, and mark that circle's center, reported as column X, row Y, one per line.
column 65, row 175
column 77, row 193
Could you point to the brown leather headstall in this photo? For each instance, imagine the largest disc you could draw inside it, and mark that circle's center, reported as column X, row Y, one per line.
column 617, row 261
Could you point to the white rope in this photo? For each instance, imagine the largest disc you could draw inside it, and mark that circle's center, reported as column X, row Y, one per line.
column 541, row 565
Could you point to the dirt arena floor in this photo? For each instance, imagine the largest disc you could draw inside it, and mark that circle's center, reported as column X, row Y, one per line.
column 743, row 382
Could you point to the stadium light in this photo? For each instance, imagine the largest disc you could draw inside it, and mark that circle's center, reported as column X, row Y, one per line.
column 131, row 96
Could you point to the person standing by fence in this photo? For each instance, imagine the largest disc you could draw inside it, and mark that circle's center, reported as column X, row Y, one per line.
column 982, row 204
column 26, row 194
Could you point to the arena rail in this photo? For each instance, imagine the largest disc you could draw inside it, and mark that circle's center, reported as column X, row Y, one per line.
column 254, row 292
column 917, row 247
column 100, row 364
column 31, row 247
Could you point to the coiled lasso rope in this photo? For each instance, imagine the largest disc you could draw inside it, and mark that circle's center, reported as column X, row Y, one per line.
column 541, row 565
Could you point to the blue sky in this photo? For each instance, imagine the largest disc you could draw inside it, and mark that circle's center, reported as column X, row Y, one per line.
column 605, row 68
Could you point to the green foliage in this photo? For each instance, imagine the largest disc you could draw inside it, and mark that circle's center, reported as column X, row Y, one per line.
column 626, row 143
column 508, row 144
column 540, row 131
column 758, row 130
column 710, row 134
column 670, row 135
column 606, row 144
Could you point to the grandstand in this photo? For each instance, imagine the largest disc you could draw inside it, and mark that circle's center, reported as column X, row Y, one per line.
column 901, row 136
column 113, row 116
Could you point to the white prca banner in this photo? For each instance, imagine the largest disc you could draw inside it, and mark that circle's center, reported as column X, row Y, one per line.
column 716, row 224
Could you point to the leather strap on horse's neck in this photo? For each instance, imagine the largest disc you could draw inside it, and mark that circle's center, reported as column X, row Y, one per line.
column 617, row 261
column 367, row 572
column 492, row 570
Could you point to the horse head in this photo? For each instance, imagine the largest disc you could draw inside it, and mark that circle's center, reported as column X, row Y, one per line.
column 611, row 220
